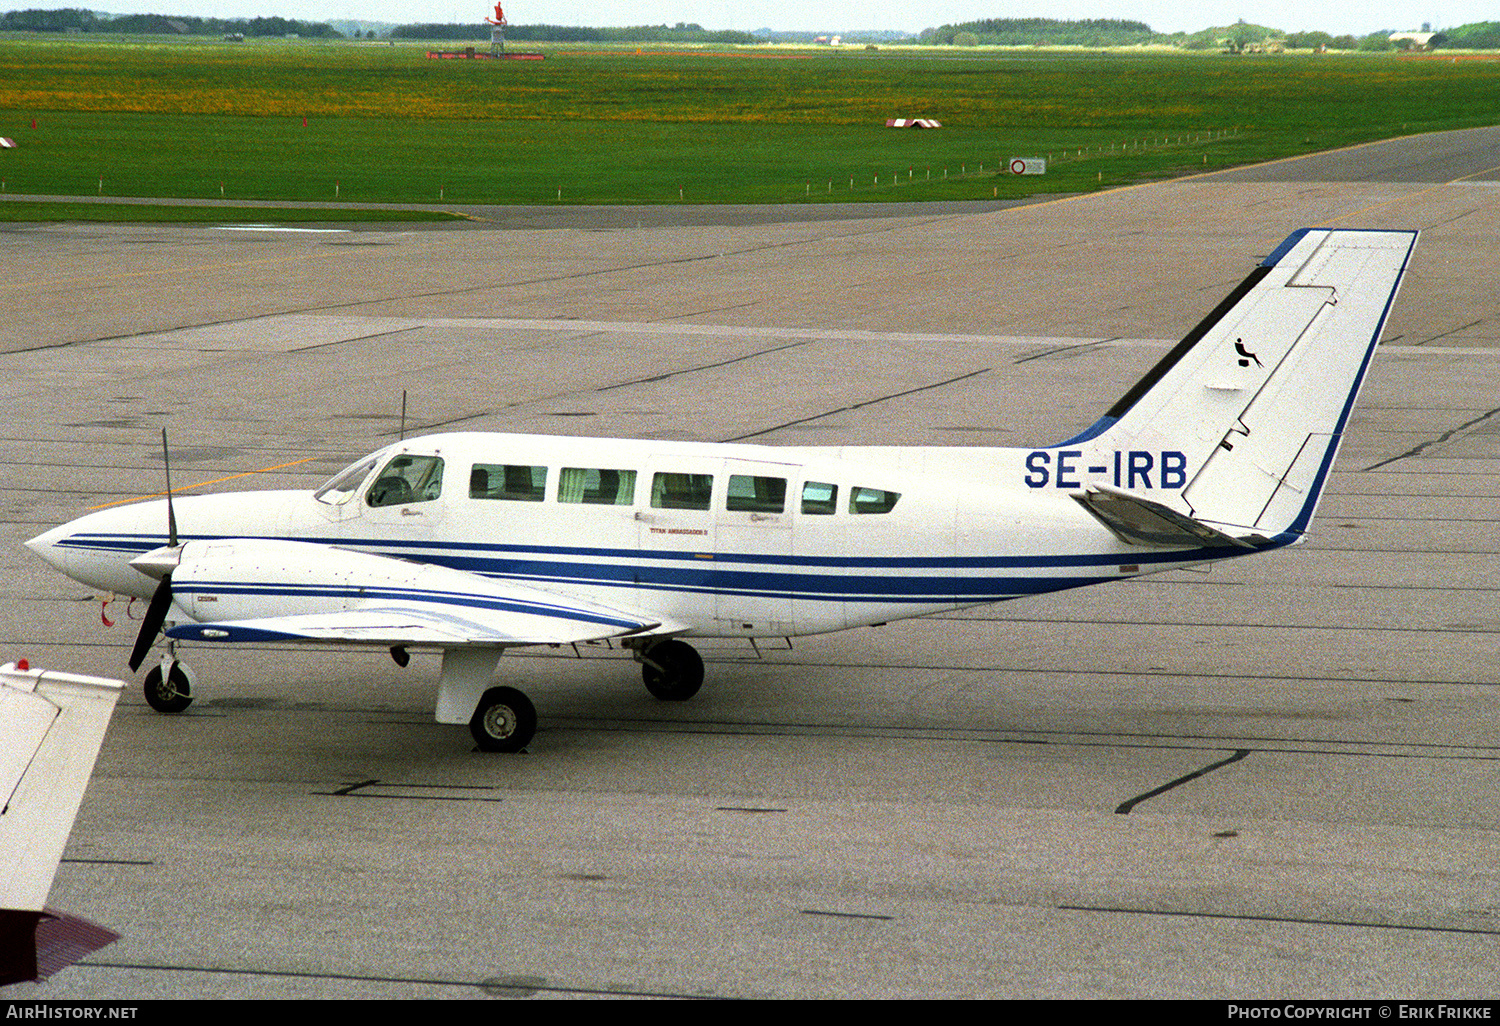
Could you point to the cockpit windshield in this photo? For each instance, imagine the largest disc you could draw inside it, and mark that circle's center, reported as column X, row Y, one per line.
column 405, row 479
column 345, row 483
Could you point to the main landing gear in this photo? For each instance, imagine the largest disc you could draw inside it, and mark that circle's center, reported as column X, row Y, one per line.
column 504, row 720
column 672, row 669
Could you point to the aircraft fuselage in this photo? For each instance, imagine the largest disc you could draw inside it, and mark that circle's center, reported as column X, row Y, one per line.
column 717, row 540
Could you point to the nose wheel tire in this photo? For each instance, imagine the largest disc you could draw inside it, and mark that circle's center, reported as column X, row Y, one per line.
column 504, row 721
column 672, row 670
column 171, row 692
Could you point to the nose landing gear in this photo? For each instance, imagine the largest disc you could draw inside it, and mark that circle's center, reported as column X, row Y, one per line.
column 169, row 685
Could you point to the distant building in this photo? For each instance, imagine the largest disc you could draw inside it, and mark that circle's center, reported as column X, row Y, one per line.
column 1415, row 40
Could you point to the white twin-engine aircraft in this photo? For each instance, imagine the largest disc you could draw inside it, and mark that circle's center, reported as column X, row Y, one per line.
column 474, row 543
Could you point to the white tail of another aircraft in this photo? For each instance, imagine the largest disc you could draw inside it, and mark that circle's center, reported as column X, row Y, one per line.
column 1232, row 436
column 51, row 725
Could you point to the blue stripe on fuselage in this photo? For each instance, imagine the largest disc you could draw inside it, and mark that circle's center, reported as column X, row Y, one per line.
column 701, row 572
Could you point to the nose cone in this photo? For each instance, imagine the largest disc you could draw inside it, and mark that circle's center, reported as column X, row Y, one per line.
column 96, row 549
column 47, row 545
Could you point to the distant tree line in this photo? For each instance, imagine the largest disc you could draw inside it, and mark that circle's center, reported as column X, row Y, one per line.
column 1243, row 36
column 1480, row 35
column 1042, row 32
column 1098, row 32
column 77, row 20
column 1102, row 32
column 682, row 32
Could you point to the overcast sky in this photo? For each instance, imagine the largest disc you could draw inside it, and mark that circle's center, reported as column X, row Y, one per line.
column 1337, row 18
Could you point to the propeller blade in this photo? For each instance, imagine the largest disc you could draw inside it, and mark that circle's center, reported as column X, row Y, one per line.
column 156, row 615
column 166, row 464
column 161, row 598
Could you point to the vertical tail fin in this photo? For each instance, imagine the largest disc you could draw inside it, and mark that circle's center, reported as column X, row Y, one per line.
column 1239, row 425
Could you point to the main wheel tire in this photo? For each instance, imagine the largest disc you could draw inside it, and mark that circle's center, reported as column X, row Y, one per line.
column 171, row 694
column 672, row 670
column 504, row 721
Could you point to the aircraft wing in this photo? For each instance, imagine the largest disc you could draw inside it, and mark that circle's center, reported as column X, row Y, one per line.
column 1136, row 520
column 246, row 590
column 410, row 623
column 52, row 725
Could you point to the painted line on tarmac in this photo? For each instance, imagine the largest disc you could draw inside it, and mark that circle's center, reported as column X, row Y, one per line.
column 277, row 228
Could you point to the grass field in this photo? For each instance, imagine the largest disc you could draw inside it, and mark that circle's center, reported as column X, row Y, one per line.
column 196, row 119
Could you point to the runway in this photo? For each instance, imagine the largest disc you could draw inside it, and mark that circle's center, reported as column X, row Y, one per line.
column 1275, row 780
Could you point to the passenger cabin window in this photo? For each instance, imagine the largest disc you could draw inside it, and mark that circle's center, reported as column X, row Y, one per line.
column 344, row 485
column 598, row 487
column 681, row 491
column 871, row 500
column 407, row 479
column 819, row 498
column 510, row 482
column 748, row 494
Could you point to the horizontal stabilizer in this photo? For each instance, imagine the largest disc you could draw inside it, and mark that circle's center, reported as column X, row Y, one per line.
column 1139, row 521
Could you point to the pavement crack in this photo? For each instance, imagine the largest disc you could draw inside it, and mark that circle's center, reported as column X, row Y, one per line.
column 1125, row 807
column 1417, row 450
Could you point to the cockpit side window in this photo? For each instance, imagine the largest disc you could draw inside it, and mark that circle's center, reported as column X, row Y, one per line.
column 407, row 479
column 338, row 490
